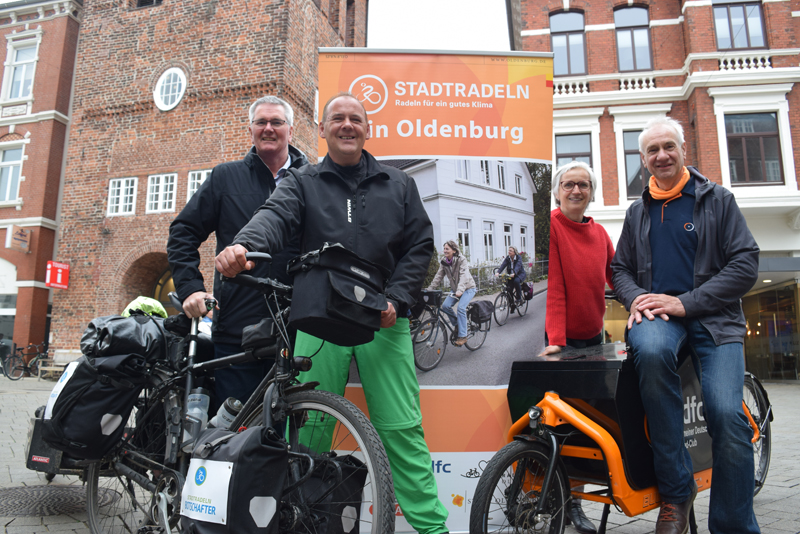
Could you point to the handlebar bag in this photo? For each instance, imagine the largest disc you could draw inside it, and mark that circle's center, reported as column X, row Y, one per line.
column 481, row 311
column 338, row 296
column 89, row 407
column 235, row 482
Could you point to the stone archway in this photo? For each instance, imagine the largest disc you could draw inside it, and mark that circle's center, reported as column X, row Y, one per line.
column 141, row 277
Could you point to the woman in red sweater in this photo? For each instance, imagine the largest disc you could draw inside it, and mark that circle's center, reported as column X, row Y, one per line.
column 580, row 267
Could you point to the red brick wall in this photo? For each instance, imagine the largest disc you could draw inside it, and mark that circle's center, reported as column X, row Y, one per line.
column 232, row 54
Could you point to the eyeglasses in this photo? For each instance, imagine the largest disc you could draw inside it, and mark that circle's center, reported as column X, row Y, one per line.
column 275, row 123
column 569, row 186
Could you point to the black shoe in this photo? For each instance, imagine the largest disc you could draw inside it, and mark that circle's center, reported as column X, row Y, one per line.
column 578, row 519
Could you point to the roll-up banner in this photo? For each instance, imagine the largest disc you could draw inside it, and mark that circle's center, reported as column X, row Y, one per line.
column 464, row 106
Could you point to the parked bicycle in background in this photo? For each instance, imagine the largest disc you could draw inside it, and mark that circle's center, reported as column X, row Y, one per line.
column 15, row 366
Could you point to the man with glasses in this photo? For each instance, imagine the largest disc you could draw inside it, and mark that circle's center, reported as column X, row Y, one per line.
column 223, row 204
column 684, row 260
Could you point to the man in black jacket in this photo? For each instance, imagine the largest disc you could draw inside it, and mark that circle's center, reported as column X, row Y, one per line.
column 375, row 211
column 684, row 260
column 223, row 204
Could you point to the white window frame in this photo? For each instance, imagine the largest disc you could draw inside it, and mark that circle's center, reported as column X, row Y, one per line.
column 627, row 118
column 486, row 175
column 488, row 241
column 158, row 98
column 518, row 183
column 14, row 145
column 581, row 121
column 501, row 175
column 161, row 193
column 508, row 233
column 462, row 169
column 16, row 41
column 756, row 99
column 523, row 239
column 125, row 207
column 196, row 179
column 461, row 233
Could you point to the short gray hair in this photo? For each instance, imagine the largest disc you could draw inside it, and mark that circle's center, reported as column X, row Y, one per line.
column 572, row 165
column 672, row 124
column 274, row 100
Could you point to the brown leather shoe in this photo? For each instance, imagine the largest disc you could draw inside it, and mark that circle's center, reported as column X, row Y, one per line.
column 460, row 341
column 674, row 517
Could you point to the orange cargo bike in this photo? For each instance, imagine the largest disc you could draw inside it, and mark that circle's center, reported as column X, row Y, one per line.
column 579, row 420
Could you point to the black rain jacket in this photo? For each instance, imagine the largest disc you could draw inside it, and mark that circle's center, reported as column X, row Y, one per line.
column 223, row 204
column 382, row 220
column 725, row 267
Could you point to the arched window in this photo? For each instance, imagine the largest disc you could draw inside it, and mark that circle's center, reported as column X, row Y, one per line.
column 569, row 44
column 633, row 38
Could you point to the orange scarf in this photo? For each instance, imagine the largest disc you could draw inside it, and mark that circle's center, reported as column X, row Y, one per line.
column 659, row 194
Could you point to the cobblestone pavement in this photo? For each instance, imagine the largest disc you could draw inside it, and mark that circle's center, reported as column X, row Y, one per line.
column 776, row 505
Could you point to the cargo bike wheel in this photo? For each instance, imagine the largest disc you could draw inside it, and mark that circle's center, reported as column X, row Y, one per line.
column 348, row 454
column 510, row 490
column 123, row 489
column 758, row 406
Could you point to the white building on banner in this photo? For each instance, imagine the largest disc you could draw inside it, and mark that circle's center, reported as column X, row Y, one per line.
column 485, row 205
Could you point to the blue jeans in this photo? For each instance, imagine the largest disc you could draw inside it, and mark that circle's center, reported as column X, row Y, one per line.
column 463, row 302
column 656, row 345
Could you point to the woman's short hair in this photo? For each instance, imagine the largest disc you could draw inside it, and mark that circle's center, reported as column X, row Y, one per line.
column 561, row 171
column 453, row 245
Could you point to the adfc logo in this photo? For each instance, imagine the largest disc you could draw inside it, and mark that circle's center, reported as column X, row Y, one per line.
column 371, row 91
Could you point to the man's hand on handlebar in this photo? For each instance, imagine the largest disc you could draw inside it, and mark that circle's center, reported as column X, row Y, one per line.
column 231, row 261
column 195, row 304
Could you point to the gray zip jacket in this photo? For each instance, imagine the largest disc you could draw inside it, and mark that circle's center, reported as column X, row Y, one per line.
column 725, row 267
column 457, row 272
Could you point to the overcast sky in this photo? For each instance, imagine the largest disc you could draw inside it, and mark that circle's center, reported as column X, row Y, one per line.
column 479, row 25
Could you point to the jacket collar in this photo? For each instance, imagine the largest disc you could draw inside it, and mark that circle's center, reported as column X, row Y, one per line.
column 252, row 160
column 373, row 167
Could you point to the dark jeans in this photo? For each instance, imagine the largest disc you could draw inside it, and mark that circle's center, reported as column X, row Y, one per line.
column 238, row 381
column 516, row 288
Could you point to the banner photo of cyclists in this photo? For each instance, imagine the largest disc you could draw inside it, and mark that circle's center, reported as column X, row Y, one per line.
column 475, row 132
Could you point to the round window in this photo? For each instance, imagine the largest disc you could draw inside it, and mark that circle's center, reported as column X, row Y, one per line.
column 169, row 89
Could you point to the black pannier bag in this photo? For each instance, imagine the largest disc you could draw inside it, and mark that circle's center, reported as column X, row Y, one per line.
column 527, row 290
column 235, row 482
column 337, row 296
column 481, row 311
column 89, row 407
column 138, row 334
column 259, row 335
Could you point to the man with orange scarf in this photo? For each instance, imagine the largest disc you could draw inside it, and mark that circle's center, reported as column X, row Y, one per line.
column 684, row 260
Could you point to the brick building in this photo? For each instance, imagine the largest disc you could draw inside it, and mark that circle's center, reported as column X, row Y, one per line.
column 41, row 39
column 161, row 96
column 726, row 69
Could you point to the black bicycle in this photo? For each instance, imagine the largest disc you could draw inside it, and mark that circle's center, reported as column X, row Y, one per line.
column 15, row 366
column 137, row 487
column 505, row 303
column 431, row 337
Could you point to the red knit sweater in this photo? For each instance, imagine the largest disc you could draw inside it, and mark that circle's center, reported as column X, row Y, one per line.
column 579, row 267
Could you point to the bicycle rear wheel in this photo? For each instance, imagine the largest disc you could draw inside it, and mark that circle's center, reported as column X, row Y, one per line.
column 762, row 447
column 429, row 344
column 121, row 489
column 522, row 309
column 33, row 367
column 501, row 308
column 510, row 489
column 14, row 367
column 327, row 426
column 477, row 334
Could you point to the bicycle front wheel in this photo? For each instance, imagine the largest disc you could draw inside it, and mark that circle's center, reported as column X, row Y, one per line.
column 501, row 308
column 14, row 367
column 429, row 343
column 477, row 334
column 327, row 426
column 510, row 490
column 757, row 405
column 522, row 309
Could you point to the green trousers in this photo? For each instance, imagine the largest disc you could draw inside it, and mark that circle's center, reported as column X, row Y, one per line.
column 386, row 368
